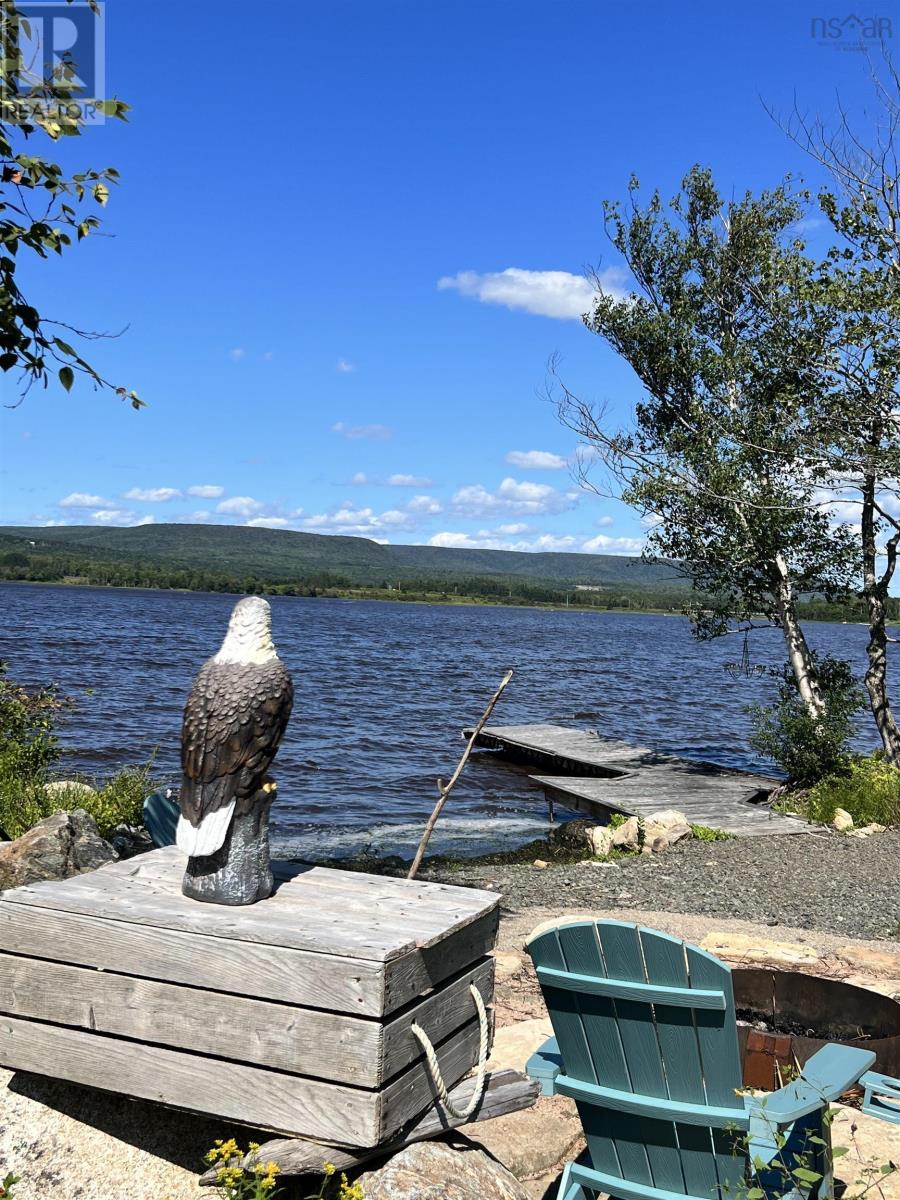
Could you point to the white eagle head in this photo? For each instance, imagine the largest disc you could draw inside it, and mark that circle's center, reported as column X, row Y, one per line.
column 249, row 636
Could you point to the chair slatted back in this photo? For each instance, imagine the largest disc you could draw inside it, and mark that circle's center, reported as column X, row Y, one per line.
column 620, row 1000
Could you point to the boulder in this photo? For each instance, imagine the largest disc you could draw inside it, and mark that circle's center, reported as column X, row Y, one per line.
column 600, row 840
column 435, row 1171
column 535, row 1142
column 572, row 835
column 626, row 836
column 130, row 840
column 58, row 847
column 867, row 830
column 67, row 1141
column 668, row 825
column 841, row 821
column 514, row 1044
column 540, row 864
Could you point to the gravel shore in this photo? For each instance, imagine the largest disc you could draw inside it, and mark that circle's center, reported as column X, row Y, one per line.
column 819, row 880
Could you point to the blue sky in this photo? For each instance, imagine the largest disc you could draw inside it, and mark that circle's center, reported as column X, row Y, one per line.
column 349, row 236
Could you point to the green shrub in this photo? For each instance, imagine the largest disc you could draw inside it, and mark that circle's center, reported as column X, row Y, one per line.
column 28, row 743
column 869, row 792
column 807, row 748
column 29, row 749
column 117, row 801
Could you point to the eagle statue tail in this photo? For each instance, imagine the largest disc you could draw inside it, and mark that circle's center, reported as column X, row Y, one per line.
column 199, row 841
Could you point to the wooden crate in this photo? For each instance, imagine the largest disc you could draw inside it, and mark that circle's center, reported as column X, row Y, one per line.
column 292, row 1015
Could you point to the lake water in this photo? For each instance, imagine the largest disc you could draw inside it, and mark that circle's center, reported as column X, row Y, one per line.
column 382, row 693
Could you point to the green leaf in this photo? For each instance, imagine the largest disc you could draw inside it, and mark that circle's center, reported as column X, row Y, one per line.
column 805, row 1175
column 65, row 347
column 101, row 193
column 66, row 377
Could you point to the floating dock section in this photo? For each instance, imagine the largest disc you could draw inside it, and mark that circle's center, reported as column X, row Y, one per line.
column 600, row 776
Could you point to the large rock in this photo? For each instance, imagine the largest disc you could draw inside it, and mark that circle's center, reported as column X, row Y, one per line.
column 435, row 1171
column 841, row 821
column 600, row 840
column 67, row 1141
column 514, row 1044
column 58, row 847
column 535, row 1142
column 626, row 837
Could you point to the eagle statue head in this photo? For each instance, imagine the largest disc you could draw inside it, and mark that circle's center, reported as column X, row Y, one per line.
column 249, row 636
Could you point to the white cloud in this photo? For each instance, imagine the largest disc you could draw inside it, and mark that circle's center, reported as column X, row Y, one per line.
column 556, row 294
column 605, row 521
column 410, row 481
column 117, row 516
column 268, row 522
column 344, row 366
column 206, row 491
column 356, row 432
column 546, row 543
column 360, row 478
column 536, row 460
column 349, row 519
column 237, row 354
column 516, row 527
column 425, row 505
column 241, row 506
column 159, row 495
column 602, row 544
column 514, row 498
column 485, row 540
column 84, row 500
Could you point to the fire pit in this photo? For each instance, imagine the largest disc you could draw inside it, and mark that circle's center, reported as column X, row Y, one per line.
column 784, row 1017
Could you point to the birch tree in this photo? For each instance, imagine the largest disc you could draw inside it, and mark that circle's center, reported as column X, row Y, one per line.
column 724, row 335
column 857, row 448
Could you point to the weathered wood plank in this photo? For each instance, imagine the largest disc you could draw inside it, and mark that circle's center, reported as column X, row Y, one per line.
column 505, row 1092
column 425, row 968
column 313, row 911
column 335, row 1046
column 273, row 1100
column 245, row 968
column 437, row 1014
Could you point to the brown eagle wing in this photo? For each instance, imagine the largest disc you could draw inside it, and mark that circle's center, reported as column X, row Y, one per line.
column 234, row 720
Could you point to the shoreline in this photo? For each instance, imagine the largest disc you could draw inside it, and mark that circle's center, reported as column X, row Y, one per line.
column 348, row 595
column 458, row 602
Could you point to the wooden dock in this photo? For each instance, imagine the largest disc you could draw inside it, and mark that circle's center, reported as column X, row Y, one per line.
column 599, row 776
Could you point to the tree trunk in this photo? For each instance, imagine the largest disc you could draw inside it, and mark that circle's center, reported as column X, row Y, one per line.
column 799, row 653
column 875, row 592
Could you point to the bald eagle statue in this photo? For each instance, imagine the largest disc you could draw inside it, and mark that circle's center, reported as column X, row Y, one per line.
column 234, row 720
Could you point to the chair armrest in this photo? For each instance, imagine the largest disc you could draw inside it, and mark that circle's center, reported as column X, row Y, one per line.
column 544, row 1066
column 826, row 1076
column 882, row 1096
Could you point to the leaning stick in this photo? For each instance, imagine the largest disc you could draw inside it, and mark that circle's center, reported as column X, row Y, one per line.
column 444, row 790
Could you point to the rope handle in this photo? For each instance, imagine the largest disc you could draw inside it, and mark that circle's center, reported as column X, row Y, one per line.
column 434, row 1068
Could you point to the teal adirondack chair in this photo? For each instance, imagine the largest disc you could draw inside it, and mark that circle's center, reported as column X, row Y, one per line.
column 646, row 1045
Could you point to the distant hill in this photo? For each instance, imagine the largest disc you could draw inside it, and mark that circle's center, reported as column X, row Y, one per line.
column 275, row 555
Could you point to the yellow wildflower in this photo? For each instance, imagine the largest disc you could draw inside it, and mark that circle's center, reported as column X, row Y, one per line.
column 328, row 1169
